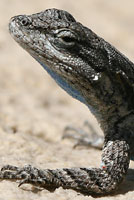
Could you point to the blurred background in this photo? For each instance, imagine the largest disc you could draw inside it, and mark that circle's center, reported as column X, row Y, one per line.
column 34, row 110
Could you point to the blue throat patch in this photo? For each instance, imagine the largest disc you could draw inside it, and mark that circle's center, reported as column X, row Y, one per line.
column 69, row 89
column 64, row 85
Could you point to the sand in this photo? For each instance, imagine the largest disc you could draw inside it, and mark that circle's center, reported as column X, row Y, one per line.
column 34, row 110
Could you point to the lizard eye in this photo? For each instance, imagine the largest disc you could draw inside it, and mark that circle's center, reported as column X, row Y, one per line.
column 67, row 38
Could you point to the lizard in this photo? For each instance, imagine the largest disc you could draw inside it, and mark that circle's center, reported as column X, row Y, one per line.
column 98, row 75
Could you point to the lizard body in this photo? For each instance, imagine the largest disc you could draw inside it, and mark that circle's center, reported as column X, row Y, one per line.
column 94, row 72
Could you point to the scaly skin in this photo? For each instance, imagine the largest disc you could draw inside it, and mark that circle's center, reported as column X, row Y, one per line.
column 94, row 72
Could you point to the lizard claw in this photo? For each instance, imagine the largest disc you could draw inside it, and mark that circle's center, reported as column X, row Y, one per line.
column 27, row 174
column 9, row 167
column 16, row 173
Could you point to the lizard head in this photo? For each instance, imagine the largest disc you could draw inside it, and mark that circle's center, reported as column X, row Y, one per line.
column 61, row 45
column 83, row 64
column 56, row 39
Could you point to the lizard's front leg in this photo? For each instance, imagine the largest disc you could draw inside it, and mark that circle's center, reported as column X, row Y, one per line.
column 89, row 138
column 115, row 162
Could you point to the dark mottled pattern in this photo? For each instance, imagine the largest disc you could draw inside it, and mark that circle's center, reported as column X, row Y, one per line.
column 94, row 72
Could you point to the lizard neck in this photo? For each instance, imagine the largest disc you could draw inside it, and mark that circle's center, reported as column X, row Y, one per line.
column 69, row 89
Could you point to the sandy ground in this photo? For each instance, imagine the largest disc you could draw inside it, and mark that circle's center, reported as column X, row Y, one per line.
column 34, row 110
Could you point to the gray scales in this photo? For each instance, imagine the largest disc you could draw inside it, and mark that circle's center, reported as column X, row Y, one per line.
column 94, row 72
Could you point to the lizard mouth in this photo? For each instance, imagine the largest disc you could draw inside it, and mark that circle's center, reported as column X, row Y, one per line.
column 15, row 29
column 21, row 35
column 19, row 31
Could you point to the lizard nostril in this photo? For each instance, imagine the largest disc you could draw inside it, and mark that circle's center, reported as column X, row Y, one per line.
column 24, row 21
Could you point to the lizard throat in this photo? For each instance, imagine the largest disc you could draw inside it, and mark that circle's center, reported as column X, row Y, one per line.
column 69, row 89
column 64, row 84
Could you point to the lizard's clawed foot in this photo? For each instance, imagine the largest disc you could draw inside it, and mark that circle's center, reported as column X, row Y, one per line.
column 26, row 174
column 115, row 163
column 82, row 137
